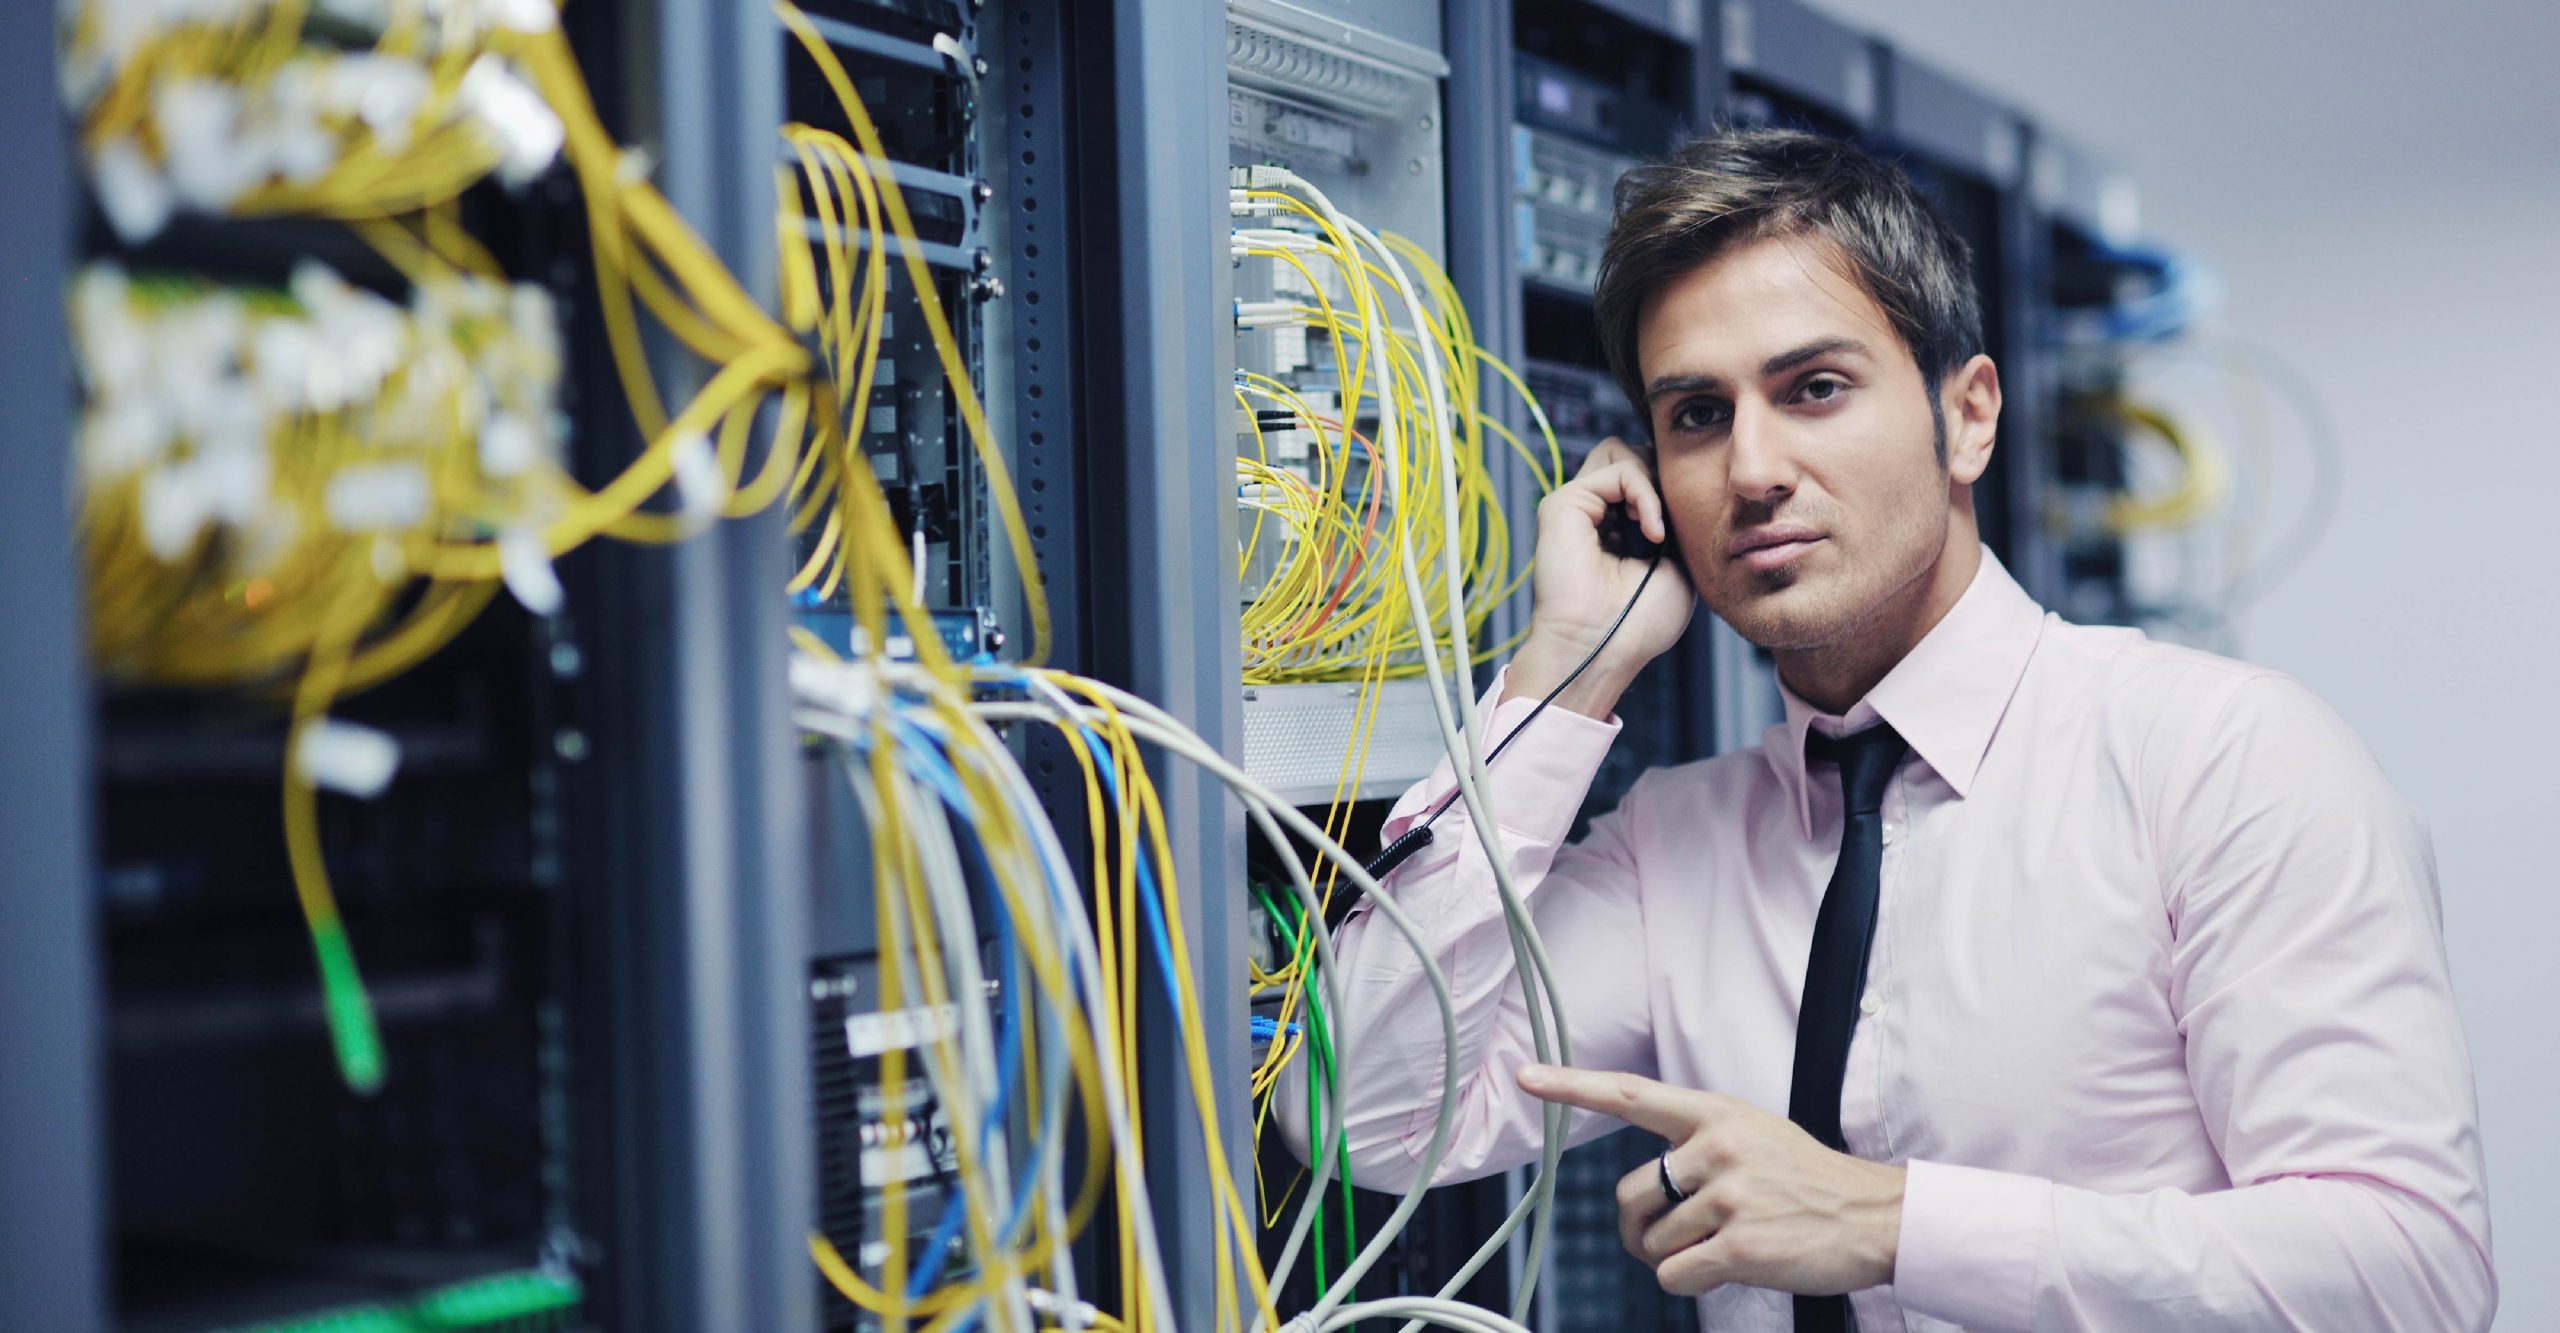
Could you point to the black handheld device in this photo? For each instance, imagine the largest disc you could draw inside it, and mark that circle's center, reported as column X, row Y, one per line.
column 1623, row 536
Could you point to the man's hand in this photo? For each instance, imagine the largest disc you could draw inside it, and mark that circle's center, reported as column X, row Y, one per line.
column 1768, row 1206
column 1581, row 588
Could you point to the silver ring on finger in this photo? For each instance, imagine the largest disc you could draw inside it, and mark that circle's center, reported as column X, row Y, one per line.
column 1671, row 1189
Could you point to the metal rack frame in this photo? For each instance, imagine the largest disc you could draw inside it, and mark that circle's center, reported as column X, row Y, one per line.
column 1160, row 358
column 703, row 840
column 53, row 1224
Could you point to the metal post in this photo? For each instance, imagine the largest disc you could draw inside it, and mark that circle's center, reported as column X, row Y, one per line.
column 708, row 834
column 1161, row 426
column 1484, row 243
column 53, row 1225
column 2028, row 382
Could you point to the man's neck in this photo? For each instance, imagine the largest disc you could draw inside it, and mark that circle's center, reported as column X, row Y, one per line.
column 1836, row 676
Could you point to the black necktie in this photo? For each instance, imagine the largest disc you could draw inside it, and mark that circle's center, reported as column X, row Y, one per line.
column 1835, row 972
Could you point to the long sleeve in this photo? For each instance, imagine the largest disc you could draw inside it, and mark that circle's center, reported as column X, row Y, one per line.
column 1585, row 902
column 2307, row 974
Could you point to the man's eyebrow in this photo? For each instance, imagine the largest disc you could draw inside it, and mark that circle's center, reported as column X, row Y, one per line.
column 1812, row 351
column 1667, row 385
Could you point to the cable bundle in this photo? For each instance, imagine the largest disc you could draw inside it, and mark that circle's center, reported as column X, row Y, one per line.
column 915, row 740
column 1450, row 691
column 258, row 108
column 258, row 468
column 325, row 485
column 1327, row 607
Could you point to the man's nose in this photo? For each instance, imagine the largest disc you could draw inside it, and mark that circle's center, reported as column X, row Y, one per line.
column 1760, row 465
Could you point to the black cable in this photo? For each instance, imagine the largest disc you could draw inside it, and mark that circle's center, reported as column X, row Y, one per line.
column 1416, row 838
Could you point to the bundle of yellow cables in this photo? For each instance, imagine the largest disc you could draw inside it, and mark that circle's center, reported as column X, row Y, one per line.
column 250, row 112
column 346, row 480
column 1330, row 607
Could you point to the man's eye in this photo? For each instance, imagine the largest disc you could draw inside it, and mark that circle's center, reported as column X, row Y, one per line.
column 1823, row 390
column 1697, row 416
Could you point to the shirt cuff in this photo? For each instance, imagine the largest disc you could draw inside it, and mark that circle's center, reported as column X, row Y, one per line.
column 1537, row 786
column 1971, row 1244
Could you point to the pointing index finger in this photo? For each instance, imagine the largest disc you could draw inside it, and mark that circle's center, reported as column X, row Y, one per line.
column 1671, row 1112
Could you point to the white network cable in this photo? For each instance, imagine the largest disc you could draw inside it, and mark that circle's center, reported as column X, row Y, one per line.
column 1147, row 722
column 1258, row 806
column 1460, row 734
column 836, row 700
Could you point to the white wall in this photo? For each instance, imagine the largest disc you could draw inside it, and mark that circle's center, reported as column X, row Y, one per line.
column 2382, row 199
column 2428, row 618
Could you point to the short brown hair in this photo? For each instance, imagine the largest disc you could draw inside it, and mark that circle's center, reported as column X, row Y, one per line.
column 1740, row 185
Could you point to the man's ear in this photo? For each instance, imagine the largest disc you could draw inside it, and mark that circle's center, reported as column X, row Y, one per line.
column 1971, row 400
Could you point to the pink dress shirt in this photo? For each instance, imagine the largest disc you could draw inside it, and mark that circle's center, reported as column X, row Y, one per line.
column 2157, row 1012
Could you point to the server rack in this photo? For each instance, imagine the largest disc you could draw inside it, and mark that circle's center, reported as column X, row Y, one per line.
column 593, row 1107
column 2083, row 219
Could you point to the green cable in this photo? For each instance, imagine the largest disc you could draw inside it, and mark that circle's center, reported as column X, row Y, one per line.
column 1319, row 1031
column 1319, row 1035
column 353, row 1033
column 1289, row 935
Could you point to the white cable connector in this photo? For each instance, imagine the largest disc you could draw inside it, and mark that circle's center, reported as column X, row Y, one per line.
column 1266, row 314
column 348, row 758
column 700, row 489
column 136, row 198
column 524, row 562
column 528, row 131
column 510, row 446
column 1071, row 1314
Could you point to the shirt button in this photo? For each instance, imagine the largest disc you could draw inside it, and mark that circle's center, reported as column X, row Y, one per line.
column 1869, row 1004
column 1891, row 829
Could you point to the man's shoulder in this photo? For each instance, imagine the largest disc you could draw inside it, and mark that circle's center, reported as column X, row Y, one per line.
column 2184, row 710
column 2125, row 672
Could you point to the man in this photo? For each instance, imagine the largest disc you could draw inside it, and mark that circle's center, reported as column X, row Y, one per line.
column 2120, row 967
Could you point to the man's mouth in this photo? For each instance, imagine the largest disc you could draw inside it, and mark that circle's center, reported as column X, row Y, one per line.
column 1772, row 547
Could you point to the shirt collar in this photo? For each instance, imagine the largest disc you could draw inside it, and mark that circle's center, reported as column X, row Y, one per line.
column 1946, row 696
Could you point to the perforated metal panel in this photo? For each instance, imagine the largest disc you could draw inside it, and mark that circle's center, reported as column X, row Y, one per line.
column 1297, row 738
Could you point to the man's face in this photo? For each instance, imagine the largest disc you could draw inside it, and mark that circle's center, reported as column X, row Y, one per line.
column 1792, row 430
